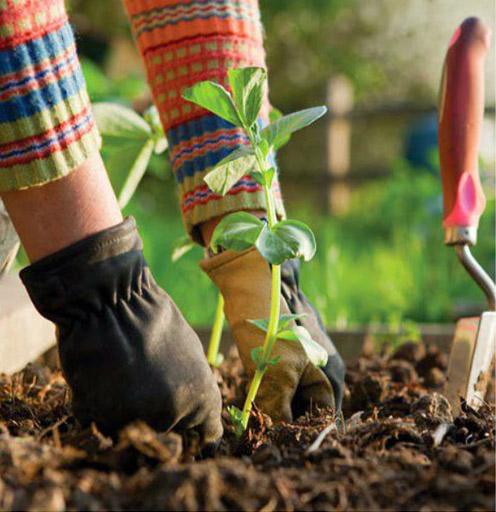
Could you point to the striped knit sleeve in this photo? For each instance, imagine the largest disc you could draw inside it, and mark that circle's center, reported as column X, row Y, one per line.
column 46, row 125
column 182, row 43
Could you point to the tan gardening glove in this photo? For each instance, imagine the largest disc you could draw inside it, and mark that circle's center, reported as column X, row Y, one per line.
column 292, row 386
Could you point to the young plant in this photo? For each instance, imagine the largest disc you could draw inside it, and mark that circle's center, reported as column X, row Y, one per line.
column 277, row 241
column 129, row 143
column 214, row 357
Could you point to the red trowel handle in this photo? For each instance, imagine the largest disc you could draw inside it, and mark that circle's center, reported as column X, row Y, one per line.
column 461, row 109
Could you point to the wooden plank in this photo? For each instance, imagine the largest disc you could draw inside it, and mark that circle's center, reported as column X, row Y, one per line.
column 340, row 99
column 24, row 333
column 352, row 343
column 9, row 241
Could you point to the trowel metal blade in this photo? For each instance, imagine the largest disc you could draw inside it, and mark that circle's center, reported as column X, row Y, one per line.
column 471, row 360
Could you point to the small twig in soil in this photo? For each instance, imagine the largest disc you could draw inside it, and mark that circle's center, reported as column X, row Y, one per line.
column 56, row 437
column 474, row 445
column 285, row 493
column 56, row 425
column 441, row 432
column 320, row 438
column 270, row 506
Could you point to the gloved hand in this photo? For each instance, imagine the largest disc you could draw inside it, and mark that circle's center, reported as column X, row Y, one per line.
column 125, row 349
column 293, row 384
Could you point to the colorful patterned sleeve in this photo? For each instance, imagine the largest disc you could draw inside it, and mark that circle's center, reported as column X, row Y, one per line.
column 184, row 42
column 46, row 125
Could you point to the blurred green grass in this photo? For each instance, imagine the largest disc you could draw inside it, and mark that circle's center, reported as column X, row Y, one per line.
column 383, row 262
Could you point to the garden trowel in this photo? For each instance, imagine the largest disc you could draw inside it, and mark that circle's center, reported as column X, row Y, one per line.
column 461, row 110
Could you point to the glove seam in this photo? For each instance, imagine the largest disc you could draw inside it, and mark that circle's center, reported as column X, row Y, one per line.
column 58, row 259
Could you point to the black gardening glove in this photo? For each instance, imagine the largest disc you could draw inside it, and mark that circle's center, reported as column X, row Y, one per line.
column 125, row 349
column 298, row 303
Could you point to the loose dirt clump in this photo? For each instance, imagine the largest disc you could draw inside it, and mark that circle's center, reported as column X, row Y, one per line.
column 396, row 447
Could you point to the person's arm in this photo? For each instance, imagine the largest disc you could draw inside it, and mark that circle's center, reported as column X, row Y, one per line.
column 47, row 131
column 182, row 43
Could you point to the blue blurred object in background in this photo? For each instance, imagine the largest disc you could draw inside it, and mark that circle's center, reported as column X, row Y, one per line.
column 421, row 142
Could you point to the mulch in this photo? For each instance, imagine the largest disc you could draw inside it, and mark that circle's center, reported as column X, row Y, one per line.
column 396, row 447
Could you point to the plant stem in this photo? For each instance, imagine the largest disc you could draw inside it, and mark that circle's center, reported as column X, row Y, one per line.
column 275, row 308
column 216, row 335
column 252, row 393
column 275, row 301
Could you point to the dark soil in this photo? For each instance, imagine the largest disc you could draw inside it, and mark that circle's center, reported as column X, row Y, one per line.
column 399, row 449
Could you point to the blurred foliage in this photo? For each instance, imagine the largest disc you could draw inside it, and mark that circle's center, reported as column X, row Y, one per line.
column 306, row 43
column 381, row 46
column 386, row 260
column 97, row 18
column 309, row 41
column 120, row 90
column 124, row 91
column 129, row 142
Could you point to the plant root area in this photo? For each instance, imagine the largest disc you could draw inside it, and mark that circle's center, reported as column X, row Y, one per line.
column 397, row 448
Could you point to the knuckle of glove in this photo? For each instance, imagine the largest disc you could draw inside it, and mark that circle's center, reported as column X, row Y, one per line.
column 312, row 321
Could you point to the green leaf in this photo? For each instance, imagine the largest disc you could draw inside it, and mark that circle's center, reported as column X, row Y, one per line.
column 258, row 177
column 214, row 98
column 275, row 114
column 269, row 176
column 114, row 120
column 284, row 320
column 258, row 359
column 238, row 231
column 265, row 177
column 234, row 412
column 247, row 85
column 273, row 361
column 287, row 239
column 135, row 174
column 181, row 247
column 161, row 144
column 277, row 132
column 219, row 358
column 316, row 354
column 264, row 148
column 230, row 170
column 287, row 335
column 236, row 417
column 257, row 354
column 262, row 324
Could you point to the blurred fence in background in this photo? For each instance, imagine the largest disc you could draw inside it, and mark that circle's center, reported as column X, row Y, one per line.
column 363, row 144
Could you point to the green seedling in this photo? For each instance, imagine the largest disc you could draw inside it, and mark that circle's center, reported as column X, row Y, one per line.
column 129, row 143
column 181, row 247
column 214, row 357
column 276, row 240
